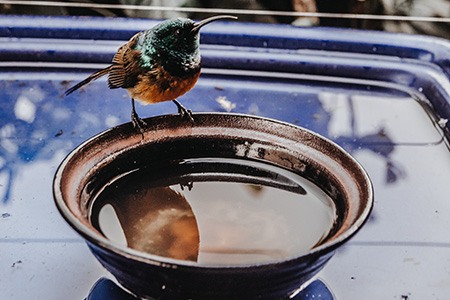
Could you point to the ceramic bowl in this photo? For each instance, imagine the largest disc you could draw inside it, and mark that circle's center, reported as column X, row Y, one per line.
column 122, row 149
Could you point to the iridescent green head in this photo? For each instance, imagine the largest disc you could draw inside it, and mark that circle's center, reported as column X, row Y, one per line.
column 175, row 41
column 181, row 34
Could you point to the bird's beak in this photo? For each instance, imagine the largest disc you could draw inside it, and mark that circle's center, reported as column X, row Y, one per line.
column 202, row 23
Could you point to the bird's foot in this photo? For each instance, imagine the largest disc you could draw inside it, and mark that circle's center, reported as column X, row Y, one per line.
column 138, row 123
column 183, row 111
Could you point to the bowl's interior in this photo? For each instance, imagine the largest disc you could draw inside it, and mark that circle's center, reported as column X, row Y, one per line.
column 121, row 150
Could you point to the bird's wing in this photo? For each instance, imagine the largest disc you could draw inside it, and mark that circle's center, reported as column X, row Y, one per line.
column 125, row 68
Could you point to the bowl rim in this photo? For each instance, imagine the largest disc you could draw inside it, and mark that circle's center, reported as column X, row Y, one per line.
column 100, row 241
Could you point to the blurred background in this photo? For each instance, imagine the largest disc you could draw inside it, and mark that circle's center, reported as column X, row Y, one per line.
column 369, row 92
column 428, row 17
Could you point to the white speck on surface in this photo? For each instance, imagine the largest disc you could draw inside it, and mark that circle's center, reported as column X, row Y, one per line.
column 25, row 109
column 442, row 122
column 225, row 103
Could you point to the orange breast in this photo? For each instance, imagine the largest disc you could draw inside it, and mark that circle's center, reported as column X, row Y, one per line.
column 158, row 85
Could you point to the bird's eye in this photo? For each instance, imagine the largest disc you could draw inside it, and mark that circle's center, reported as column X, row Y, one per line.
column 177, row 32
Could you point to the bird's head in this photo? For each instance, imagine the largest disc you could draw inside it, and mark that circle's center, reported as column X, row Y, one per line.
column 180, row 36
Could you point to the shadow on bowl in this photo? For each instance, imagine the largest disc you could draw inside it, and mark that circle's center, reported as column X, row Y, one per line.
column 184, row 230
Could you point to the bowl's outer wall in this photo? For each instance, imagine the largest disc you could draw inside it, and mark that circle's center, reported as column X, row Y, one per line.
column 163, row 281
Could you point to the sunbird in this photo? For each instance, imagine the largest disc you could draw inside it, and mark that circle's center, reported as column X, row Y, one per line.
column 158, row 64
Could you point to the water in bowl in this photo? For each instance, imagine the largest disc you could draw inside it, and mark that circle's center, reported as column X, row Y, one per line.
column 214, row 211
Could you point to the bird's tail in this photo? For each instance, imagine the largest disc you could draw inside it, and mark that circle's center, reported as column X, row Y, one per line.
column 91, row 77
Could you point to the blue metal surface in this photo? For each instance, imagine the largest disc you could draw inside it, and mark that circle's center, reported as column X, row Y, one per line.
column 384, row 97
column 414, row 63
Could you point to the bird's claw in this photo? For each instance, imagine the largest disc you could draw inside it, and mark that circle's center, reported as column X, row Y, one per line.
column 138, row 123
column 184, row 112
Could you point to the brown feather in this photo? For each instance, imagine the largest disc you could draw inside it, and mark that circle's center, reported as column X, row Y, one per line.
column 158, row 85
column 125, row 68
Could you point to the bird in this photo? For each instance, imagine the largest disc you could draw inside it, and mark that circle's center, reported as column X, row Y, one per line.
column 158, row 64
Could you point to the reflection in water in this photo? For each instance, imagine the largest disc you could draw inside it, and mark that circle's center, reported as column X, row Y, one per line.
column 155, row 220
column 221, row 219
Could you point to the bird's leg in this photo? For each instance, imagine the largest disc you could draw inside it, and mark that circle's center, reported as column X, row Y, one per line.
column 138, row 123
column 183, row 111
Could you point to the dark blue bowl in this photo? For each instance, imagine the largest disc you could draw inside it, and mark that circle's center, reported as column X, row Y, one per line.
column 121, row 149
